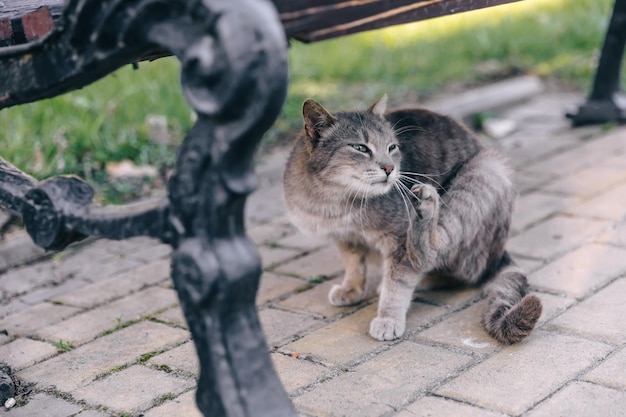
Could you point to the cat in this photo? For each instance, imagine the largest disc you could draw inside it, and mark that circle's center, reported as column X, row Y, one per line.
column 418, row 190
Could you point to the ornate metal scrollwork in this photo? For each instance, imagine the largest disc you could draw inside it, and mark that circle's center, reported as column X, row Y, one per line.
column 234, row 75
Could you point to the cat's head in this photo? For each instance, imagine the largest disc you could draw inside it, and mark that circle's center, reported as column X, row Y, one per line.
column 355, row 152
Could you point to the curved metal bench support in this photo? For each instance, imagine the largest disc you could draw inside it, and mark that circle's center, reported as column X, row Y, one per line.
column 607, row 103
column 234, row 75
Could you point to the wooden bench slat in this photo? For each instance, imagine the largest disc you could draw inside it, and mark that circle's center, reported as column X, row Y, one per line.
column 305, row 20
column 314, row 21
column 17, row 8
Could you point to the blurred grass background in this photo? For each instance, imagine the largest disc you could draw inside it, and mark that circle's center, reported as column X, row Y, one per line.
column 113, row 119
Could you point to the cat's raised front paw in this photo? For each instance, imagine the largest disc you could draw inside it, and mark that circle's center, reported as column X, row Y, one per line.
column 426, row 202
column 343, row 296
column 386, row 328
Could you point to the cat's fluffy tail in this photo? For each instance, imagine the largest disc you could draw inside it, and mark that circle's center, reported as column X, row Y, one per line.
column 511, row 314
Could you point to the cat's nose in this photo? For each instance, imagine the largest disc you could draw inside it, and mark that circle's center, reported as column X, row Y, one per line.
column 387, row 169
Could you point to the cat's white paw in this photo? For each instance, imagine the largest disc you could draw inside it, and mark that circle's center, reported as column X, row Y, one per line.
column 386, row 328
column 344, row 296
column 425, row 204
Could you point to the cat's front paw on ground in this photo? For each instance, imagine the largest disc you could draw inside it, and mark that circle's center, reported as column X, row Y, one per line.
column 386, row 328
column 344, row 296
column 426, row 202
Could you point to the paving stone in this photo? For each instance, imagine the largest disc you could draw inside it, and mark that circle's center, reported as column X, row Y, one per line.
column 44, row 405
column 581, row 271
column 553, row 305
column 521, row 375
column 24, row 279
column 590, row 154
column 372, row 388
column 537, row 139
column 554, row 236
column 94, row 272
column 181, row 358
column 129, row 247
column 117, row 286
column 12, row 307
column 599, row 316
column 50, row 292
column 301, row 241
column 610, row 372
column 152, row 253
column 270, row 233
column 273, row 256
column 281, row 326
column 315, row 301
column 464, row 330
column 22, row 353
column 183, row 406
column 451, row 299
column 615, row 162
column 582, row 399
column 435, row 406
column 264, row 206
column 537, row 206
column 528, row 265
column 33, row 318
column 614, row 236
column 297, row 373
column 92, row 413
column 83, row 255
column 140, row 248
column 529, row 181
column 324, row 262
column 590, row 181
column 132, row 389
column 273, row 286
column 17, row 250
column 86, row 326
column 347, row 340
column 82, row 365
column 173, row 316
column 609, row 205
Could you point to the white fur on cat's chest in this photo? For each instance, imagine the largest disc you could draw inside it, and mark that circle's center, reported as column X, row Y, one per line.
column 346, row 228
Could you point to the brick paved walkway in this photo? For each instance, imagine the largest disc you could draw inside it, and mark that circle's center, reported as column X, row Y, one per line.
column 98, row 329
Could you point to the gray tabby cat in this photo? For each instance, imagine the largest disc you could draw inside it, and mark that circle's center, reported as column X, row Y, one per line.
column 419, row 191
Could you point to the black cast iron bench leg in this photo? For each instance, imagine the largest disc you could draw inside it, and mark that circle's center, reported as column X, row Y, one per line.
column 233, row 56
column 607, row 103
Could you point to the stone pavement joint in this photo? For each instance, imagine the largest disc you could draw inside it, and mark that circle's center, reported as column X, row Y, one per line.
column 98, row 328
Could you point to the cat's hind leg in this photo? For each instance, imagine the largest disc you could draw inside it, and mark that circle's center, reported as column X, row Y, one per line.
column 351, row 289
column 464, row 233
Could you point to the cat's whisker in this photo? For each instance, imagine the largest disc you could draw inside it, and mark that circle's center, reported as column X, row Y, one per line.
column 363, row 208
column 398, row 188
column 357, row 194
column 406, row 129
column 407, row 175
column 410, row 193
column 411, row 180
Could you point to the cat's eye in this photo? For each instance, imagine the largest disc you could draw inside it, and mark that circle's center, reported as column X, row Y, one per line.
column 361, row 148
column 392, row 147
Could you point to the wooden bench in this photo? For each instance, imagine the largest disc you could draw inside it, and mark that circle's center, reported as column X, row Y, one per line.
column 233, row 57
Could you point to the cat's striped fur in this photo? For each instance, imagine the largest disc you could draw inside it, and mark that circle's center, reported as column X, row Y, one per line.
column 418, row 190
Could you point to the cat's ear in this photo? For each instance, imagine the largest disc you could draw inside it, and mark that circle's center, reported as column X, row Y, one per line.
column 380, row 106
column 316, row 119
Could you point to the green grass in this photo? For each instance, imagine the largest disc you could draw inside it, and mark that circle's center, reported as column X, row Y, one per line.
column 81, row 131
column 64, row 346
